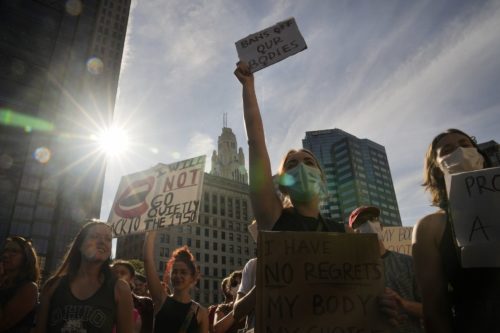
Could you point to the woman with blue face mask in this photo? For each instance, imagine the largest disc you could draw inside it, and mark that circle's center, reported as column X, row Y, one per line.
column 455, row 299
column 301, row 180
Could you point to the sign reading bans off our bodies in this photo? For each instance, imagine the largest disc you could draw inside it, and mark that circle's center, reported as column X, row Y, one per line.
column 271, row 45
column 475, row 210
column 167, row 194
column 310, row 282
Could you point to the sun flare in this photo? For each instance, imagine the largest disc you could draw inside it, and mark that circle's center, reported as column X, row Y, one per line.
column 114, row 141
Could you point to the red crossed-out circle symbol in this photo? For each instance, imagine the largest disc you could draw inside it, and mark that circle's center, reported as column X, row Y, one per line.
column 132, row 202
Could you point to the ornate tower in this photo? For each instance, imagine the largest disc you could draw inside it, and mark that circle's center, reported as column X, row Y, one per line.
column 229, row 162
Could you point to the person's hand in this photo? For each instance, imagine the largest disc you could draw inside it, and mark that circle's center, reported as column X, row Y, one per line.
column 390, row 307
column 242, row 72
column 399, row 300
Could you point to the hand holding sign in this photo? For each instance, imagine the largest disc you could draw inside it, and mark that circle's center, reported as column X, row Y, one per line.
column 271, row 45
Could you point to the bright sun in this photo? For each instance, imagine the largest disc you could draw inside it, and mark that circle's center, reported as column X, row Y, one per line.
column 113, row 142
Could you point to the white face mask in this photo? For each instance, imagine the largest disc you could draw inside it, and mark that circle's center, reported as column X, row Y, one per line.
column 461, row 160
column 371, row 227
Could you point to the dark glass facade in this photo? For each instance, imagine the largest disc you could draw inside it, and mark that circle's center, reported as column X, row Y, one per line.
column 357, row 173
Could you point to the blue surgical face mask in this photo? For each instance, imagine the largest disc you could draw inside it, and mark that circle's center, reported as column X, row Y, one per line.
column 303, row 183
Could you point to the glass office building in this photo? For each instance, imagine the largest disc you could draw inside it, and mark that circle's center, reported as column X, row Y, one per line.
column 357, row 173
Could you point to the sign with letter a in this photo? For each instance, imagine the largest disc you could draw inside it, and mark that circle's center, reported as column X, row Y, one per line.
column 475, row 212
column 271, row 45
column 167, row 194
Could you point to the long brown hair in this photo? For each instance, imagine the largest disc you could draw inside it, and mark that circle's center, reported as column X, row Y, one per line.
column 30, row 269
column 73, row 257
column 433, row 176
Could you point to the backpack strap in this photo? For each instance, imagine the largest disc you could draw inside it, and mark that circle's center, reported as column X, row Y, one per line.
column 193, row 309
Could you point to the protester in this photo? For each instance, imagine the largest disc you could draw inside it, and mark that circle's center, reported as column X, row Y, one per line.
column 176, row 312
column 141, row 285
column 455, row 299
column 301, row 181
column 244, row 305
column 143, row 305
column 83, row 294
column 224, row 321
column 19, row 276
column 398, row 270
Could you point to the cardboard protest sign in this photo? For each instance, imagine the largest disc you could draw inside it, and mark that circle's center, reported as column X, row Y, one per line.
column 475, row 211
column 167, row 194
column 398, row 239
column 271, row 45
column 319, row 282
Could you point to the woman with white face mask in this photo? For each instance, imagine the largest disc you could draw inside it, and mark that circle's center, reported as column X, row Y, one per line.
column 473, row 304
column 301, row 180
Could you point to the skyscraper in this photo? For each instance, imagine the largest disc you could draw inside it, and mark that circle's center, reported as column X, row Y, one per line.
column 357, row 173
column 60, row 62
column 220, row 241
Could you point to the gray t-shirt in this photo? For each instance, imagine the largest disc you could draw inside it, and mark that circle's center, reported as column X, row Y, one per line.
column 248, row 277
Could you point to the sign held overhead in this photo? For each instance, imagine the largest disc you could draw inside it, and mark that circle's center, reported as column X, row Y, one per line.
column 271, row 45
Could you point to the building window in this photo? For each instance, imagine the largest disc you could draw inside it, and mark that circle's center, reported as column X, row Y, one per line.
column 214, row 246
column 197, row 231
column 197, row 244
column 237, row 208
column 207, row 232
column 207, row 257
column 214, row 204
column 215, row 259
column 214, row 233
column 223, row 235
column 230, row 207
column 206, row 202
column 207, row 245
column 244, row 209
column 222, row 205
column 179, row 241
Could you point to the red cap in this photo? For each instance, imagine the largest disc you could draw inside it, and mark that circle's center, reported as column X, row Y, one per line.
column 363, row 210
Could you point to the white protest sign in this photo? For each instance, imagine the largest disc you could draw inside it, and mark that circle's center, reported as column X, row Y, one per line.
column 475, row 211
column 312, row 282
column 271, row 45
column 167, row 194
column 397, row 239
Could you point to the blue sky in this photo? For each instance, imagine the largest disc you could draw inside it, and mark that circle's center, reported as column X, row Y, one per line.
column 395, row 72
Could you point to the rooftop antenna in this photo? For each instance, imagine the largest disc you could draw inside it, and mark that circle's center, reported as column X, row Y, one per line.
column 224, row 120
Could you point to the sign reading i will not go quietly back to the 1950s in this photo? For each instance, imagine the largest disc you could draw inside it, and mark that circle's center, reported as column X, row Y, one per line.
column 165, row 195
column 475, row 211
column 312, row 282
column 271, row 45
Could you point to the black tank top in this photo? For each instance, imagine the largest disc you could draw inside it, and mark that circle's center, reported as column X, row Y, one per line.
column 291, row 220
column 94, row 314
column 171, row 316
column 474, row 292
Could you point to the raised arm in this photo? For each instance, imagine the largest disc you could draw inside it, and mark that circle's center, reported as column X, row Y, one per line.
column 265, row 203
column 157, row 292
column 427, row 235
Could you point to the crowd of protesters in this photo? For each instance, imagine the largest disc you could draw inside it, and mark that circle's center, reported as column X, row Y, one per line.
column 428, row 291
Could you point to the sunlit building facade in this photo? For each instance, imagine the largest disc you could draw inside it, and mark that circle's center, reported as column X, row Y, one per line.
column 60, row 62
column 357, row 173
column 220, row 241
